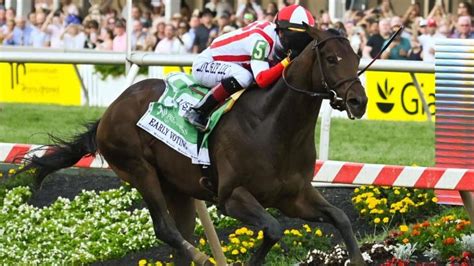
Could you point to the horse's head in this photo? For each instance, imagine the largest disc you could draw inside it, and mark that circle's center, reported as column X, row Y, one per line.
column 334, row 69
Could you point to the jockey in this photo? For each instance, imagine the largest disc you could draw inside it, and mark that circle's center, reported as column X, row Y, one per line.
column 235, row 59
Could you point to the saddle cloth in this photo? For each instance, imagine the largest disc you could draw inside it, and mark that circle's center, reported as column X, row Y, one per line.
column 164, row 118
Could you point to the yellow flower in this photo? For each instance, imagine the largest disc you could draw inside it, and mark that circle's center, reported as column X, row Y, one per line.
column 158, row 263
column 260, row 235
column 356, row 190
column 245, row 243
column 212, row 260
column 362, row 187
column 235, row 252
column 142, row 262
column 11, row 171
column 251, row 244
column 286, row 232
column 405, row 240
column 377, row 220
column 1, row 174
column 243, row 250
column 396, row 192
column 318, row 233
column 363, row 211
column 385, row 220
column 202, row 241
column 403, row 228
column 434, row 199
column 249, row 232
column 224, row 249
column 234, row 240
column 307, row 228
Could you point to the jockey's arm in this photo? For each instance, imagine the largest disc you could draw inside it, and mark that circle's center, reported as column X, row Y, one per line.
column 264, row 74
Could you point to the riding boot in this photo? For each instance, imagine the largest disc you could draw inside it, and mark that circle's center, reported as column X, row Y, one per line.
column 199, row 114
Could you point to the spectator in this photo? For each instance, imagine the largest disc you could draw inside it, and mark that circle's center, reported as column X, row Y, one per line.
column 73, row 37
column 442, row 31
column 6, row 35
column 415, row 53
column 55, row 29
column 411, row 17
column 464, row 9
column 355, row 36
column 170, row 44
column 385, row 9
column 272, row 9
column 400, row 45
column 375, row 42
column 185, row 37
column 248, row 19
column 111, row 23
column 106, row 38
column 10, row 13
column 223, row 21
column 250, row 6
column 219, row 7
column 463, row 28
column 21, row 33
column 120, row 39
column 372, row 27
column 176, row 19
column 72, row 16
column 159, row 32
column 31, row 19
column 203, row 32
column 437, row 13
column 39, row 37
column 138, row 36
column 427, row 39
column 3, row 18
column 91, row 30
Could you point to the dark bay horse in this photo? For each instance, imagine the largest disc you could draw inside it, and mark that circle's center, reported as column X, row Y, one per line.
column 262, row 152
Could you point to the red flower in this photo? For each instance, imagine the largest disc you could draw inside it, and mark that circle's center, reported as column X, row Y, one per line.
column 460, row 227
column 425, row 224
column 466, row 254
column 415, row 233
column 449, row 241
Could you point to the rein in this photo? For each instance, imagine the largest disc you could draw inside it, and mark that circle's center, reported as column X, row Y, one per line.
column 329, row 93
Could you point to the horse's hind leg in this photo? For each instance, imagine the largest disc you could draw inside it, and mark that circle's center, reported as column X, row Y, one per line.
column 182, row 210
column 243, row 206
column 145, row 180
column 310, row 205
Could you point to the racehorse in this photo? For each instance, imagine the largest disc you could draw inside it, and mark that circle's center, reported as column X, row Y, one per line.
column 262, row 152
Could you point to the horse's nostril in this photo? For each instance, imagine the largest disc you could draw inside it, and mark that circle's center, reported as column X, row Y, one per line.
column 354, row 102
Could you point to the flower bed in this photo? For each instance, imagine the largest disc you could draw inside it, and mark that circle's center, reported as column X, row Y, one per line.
column 102, row 226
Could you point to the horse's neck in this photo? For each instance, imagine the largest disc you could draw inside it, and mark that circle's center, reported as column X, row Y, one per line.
column 293, row 114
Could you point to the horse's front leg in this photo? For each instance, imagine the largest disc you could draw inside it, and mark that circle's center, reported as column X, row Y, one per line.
column 310, row 205
column 243, row 206
column 149, row 186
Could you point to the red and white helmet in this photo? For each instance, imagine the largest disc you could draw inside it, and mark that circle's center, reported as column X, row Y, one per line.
column 292, row 18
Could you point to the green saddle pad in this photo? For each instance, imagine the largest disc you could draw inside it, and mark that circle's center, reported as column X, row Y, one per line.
column 164, row 118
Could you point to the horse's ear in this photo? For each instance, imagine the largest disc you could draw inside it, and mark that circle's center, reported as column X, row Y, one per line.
column 312, row 31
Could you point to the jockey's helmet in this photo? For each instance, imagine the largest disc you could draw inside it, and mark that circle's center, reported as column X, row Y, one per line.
column 290, row 22
column 292, row 18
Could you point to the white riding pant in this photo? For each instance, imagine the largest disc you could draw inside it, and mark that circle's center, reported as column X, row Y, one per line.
column 208, row 72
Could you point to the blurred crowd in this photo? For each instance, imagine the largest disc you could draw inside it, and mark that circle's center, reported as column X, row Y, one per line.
column 191, row 31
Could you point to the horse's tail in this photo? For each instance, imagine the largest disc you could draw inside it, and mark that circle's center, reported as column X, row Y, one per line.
column 62, row 153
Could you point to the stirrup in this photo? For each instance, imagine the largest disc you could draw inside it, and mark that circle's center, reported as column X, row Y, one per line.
column 194, row 117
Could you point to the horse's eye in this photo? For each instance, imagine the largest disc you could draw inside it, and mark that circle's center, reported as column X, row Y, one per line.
column 332, row 59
